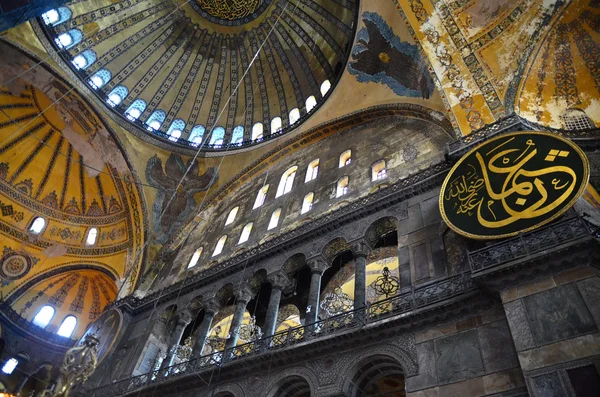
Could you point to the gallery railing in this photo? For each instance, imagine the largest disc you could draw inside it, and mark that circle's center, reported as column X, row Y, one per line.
column 398, row 305
column 528, row 244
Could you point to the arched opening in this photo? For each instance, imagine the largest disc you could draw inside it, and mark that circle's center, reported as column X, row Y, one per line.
column 345, row 158
column 196, row 135
column 155, row 120
column 231, row 216
column 136, row 109
column 292, row 386
column 68, row 39
column 92, row 236
column 261, row 196
column 378, row 171
column 67, row 327
column 307, row 203
column 44, row 316
column 342, row 186
column 312, row 171
column 220, row 245
column 176, row 129
column 217, row 137
column 100, row 78
column 311, row 102
column 325, row 86
column 245, row 233
column 377, row 376
column 117, row 95
column 257, row 131
column 38, row 225
column 85, row 59
column 286, row 182
column 576, row 119
column 294, row 115
column 195, row 258
column 56, row 16
column 274, row 221
column 237, row 136
column 276, row 125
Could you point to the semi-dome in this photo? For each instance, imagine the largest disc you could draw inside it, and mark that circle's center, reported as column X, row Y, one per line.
column 187, row 72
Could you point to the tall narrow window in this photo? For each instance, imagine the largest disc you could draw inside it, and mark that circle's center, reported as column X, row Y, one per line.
column 117, row 95
column 257, row 131
column 311, row 102
column 378, row 171
column 275, row 125
column 196, row 135
column 576, row 119
column 85, row 59
column 99, row 79
column 220, row 245
column 10, row 365
column 217, row 137
column 176, row 129
column 91, row 236
column 155, row 120
column 37, row 225
column 237, row 136
column 245, row 233
column 274, row 221
column 342, row 186
column 261, row 196
column 44, row 316
column 312, row 171
column 307, row 203
column 294, row 115
column 325, row 87
column 286, row 182
column 136, row 109
column 195, row 258
column 231, row 216
column 345, row 158
column 67, row 327
column 69, row 39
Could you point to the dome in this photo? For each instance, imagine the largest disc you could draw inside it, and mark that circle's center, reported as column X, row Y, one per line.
column 186, row 73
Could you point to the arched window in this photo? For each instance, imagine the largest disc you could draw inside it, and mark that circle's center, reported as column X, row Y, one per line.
column 136, row 109
column 44, row 316
column 257, row 131
column 245, row 233
column 155, row 120
column 85, row 59
column 37, row 225
column 261, row 196
column 67, row 327
column 99, row 79
column 217, row 137
column 220, row 245
column 69, row 39
column 176, row 129
column 56, row 16
column 91, row 236
column 311, row 102
column 325, row 87
column 274, row 221
column 576, row 119
column 345, row 158
column 10, row 365
column 312, row 171
column 195, row 258
column 275, row 125
column 342, row 186
column 286, row 182
column 378, row 170
column 117, row 95
column 237, row 136
column 294, row 115
column 196, row 135
column 307, row 203
column 231, row 216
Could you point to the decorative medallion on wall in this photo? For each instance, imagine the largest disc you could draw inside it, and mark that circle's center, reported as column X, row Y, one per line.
column 14, row 266
column 513, row 183
column 106, row 328
column 230, row 10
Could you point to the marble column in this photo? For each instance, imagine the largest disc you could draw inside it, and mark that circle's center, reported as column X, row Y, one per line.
column 210, row 309
column 317, row 268
column 21, row 385
column 183, row 320
column 243, row 296
column 360, row 251
column 278, row 283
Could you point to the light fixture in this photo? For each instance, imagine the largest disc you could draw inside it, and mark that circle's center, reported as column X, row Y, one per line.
column 250, row 331
column 216, row 341
column 386, row 284
column 336, row 302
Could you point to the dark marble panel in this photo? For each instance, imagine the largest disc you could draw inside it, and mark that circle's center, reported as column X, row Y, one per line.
column 497, row 347
column 404, row 265
column 438, row 255
column 420, row 261
column 558, row 313
column 458, row 357
column 427, row 375
column 412, row 223
column 430, row 209
column 548, row 385
column 519, row 326
column 590, row 290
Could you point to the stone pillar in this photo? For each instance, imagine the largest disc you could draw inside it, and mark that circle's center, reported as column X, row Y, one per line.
column 243, row 296
column 278, row 283
column 317, row 268
column 210, row 309
column 360, row 251
column 21, row 385
column 183, row 320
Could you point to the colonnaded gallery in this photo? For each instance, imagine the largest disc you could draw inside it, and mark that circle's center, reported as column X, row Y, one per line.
column 300, row 198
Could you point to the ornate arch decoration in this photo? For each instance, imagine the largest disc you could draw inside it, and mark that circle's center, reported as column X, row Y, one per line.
column 334, row 248
column 299, row 372
column 379, row 228
column 232, row 388
column 293, row 263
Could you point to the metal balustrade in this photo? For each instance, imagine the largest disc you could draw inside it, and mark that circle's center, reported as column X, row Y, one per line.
column 529, row 244
column 399, row 305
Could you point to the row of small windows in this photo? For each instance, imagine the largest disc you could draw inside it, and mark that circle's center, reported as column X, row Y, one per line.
column 378, row 172
column 45, row 315
column 39, row 223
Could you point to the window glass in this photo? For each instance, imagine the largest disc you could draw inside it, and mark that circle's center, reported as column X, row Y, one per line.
column 51, row 17
column 257, row 131
column 311, row 102
column 217, row 137
column 69, row 39
column 37, row 225
column 10, row 365
column 197, row 134
column 195, row 258
column 378, row 170
column 286, row 182
column 237, row 136
column 274, row 221
column 85, row 59
column 325, row 87
column 307, row 203
column 245, row 233
column 44, row 316
column 231, row 216
column 275, row 125
column 176, row 129
column 261, row 196
column 345, row 158
column 99, row 79
column 92, row 236
column 342, row 186
column 117, row 95
column 577, row 119
column 135, row 109
column 312, row 171
column 219, row 246
column 155, row 120
column 294, row 115
column 67, row 327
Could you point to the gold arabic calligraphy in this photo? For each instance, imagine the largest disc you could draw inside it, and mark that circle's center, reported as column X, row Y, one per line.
column 229, row 9
column 522, row 192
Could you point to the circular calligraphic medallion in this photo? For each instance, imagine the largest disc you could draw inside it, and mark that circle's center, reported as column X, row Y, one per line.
column 14, row 266
column 106, row 328
column 512, row 184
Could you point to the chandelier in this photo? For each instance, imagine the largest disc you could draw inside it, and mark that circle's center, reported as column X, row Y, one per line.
column 216, row 341
column 386, row 284
column 336, row 302
column 250, row 331
column 184, row 352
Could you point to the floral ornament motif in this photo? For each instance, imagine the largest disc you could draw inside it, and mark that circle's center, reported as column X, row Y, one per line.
column 14, row 265
column 410, row 153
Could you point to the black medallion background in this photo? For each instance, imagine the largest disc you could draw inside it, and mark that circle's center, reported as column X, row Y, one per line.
column 527, row 180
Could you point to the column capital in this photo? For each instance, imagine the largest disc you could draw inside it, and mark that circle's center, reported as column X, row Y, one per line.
column 278, row 280
column 243, row 294
column 317, row 264
column 360, row 248
column 212, row 305
column 184, row 318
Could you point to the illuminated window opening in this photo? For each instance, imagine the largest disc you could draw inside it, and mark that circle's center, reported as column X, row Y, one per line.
column 325, row 87
column 345, row 158
column 99, row 79
column 92, row 236
column 155, row 120
column 311, row 102
column 342, row 186
column 69, row 39
column 378, row 171
column 220, row 245
column 217, row 137
column 237, row 136
column 67, row 327
column 312, row 171
column 274, row 221
column 257, row 131
column 197, row 134
column 294, row 115
column 136, row 109
column 261, row 196
column 231, row 216
column 276, row 125
column 286, row 182
column 117, row 95
column 10, row 365
column 307, row 203
column 195, row 258
column 85, row 59
column 44, row 316
column 55, row 17
column 245, row 233
column 176, row 129
column 37, row 225
column 576, row 119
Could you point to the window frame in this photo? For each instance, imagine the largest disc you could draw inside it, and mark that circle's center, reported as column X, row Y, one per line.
column 262, row 195
column 345, row 158
column 219, row 246
column 312, row 171
column 195, row 258
column 33, row 321
column 245, row 234
column 306, row 203
column 342, row 190
column 274, row 219
column 62, row 324
column 286, row 183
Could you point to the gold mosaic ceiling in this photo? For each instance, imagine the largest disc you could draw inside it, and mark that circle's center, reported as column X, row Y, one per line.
column 179, row 62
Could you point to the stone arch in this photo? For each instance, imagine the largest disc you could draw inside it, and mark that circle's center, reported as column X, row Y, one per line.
column 300, row 373
column 380, row 228
column 293, row 263
column 228, row 390
column 335, row 247
column 368, row 372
